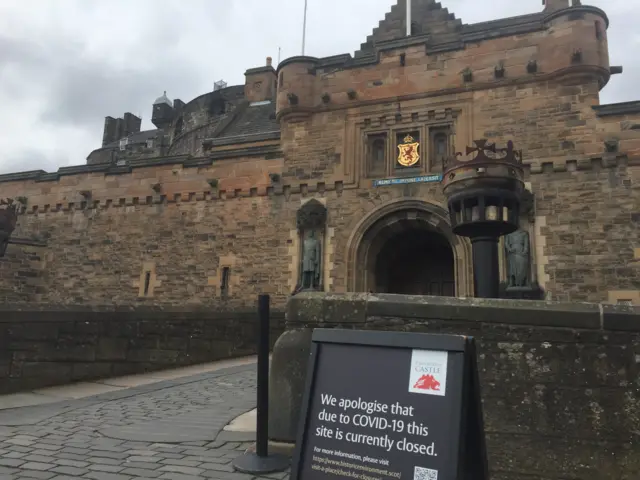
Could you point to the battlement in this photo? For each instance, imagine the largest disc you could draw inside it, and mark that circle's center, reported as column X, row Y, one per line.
column 201, row 186
column 447, row 58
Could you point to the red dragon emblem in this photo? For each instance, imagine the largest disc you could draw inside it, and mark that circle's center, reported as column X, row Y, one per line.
column 427, row 382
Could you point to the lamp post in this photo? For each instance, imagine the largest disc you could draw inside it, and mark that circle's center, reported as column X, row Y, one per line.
column 8, row 220
column 484, row 196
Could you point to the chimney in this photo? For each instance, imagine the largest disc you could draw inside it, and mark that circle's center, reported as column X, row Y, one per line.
column 109, row 134
column 260, row 83
column 132, row 124
column 552, row 5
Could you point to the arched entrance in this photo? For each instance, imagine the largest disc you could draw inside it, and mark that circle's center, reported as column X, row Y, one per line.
column 407, row 247
column 416, row 261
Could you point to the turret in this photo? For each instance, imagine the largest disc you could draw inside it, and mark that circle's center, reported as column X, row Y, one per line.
column 296, row 86
column 163, row 112
column 577, row 42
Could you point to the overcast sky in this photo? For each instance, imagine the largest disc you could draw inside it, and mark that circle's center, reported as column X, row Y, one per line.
column 66, row 64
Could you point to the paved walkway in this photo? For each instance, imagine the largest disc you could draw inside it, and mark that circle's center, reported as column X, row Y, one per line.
column 171, row 430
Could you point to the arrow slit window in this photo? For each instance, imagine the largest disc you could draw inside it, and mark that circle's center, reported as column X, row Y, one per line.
column 224, row 281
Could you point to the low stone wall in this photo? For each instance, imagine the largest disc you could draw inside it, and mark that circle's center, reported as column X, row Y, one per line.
column 560, row 382
column 45, row 346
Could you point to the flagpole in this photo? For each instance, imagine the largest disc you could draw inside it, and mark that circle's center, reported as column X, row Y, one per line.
column 408, row 18
column 304, row 27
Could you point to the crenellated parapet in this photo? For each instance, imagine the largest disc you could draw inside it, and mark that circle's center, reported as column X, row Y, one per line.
column 183, row 180
column 558, row 44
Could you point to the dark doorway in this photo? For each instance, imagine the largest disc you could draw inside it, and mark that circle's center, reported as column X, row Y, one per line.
column 416, row 262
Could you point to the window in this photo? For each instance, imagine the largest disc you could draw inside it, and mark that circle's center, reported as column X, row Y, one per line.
column 224, row 280
column 625, row 302
column 439, row 148
column 598, row 26
column 179, row 126
column 123, row 143
column 150, row 143
column 218, row 106
column 147, row 282
column 377, row 154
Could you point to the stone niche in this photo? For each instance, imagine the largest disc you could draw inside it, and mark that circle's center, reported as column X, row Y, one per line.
column 558, row 381
column 311, row 223
column 518, row 257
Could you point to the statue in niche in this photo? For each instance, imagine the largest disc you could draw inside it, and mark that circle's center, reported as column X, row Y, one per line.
column 311, row 221
column 311, row 262
column 517, row 246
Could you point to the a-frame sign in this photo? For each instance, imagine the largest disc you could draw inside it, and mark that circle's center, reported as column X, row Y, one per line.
column 381, row 405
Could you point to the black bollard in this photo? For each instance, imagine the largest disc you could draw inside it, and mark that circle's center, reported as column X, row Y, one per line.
column 262, row 422
column 261, row 461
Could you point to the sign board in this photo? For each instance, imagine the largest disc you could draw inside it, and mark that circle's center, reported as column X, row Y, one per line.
column 390, row 405
column 403, row 181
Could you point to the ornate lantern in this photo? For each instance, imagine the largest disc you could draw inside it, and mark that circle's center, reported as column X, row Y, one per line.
column 8, row 220
column 484, row 196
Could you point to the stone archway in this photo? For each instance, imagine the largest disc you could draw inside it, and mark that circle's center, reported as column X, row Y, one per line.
column 407, row 246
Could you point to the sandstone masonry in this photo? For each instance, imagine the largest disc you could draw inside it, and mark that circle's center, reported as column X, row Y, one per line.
column 203, row 209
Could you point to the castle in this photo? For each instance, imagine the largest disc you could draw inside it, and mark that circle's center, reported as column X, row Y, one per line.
column 294, row 179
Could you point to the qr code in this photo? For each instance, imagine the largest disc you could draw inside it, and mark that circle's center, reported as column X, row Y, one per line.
column 421, row 473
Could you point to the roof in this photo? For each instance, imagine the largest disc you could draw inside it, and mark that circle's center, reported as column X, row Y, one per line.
column 140, row 137
column 163, row 99
column 251, row 122
column 614, row 109
column 254, row 119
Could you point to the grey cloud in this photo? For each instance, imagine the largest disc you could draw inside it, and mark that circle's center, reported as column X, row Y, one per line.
column 80, row 90
column 83, row 90
column 31, row 159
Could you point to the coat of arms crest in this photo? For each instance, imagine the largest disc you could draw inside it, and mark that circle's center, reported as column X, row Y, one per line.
column 409, row 154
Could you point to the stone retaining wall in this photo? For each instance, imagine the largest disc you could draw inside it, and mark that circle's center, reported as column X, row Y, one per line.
column 560, row 382
column 45, row 346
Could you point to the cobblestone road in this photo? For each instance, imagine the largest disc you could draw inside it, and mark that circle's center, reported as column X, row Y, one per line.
column 170, row 430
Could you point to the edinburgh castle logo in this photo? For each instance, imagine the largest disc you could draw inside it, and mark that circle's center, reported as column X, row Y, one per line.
column 427, row 382
column 428, row 372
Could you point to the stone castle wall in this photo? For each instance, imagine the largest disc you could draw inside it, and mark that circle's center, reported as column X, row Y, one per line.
column 585, row 232
column 166, row 231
